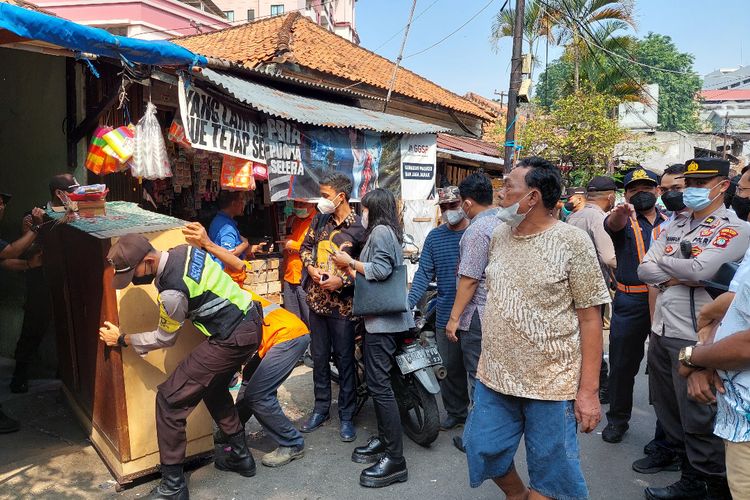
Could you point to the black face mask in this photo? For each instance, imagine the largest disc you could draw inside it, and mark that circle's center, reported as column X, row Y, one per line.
column 673, row 201
column 741, row 207
column 146, row 279
column 569, row 206
column 643, row 201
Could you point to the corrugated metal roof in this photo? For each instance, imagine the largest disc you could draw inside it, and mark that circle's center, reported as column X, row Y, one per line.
column 726, row 95
column 491, row 160
column 468, row 145
column 310, row 111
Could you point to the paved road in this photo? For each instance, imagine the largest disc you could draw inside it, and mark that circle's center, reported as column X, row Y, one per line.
column 50, row 458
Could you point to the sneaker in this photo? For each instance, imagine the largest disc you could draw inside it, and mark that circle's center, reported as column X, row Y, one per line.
column 282, row 455
column 613, row 433
column 451, row 422
column 659, row 460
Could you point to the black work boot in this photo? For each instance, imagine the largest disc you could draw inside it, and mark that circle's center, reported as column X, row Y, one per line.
column 717, row 489
column 172, row 486
column 369, row 453
column 659, row 460
column 19, row 384
column 236, row 457
column 384, row 473
column 687, row 488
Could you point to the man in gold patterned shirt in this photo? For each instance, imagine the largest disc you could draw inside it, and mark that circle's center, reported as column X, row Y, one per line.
column 538, row 372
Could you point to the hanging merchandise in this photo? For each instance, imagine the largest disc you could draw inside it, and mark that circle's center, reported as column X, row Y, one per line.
column 100, row 158
column 150, row 157
column 177, row 134
column 121, row 141
column 237, row 174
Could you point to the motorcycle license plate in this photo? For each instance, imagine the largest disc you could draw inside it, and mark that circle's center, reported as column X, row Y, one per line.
column 418, row 358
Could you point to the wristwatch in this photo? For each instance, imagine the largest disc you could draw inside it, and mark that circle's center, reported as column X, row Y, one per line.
column 121, row 340
column 686, row 353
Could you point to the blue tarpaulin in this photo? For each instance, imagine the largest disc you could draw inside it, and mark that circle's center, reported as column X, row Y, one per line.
column 78, row 38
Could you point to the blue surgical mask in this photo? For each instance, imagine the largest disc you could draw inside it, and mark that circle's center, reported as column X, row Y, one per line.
column 697, row 198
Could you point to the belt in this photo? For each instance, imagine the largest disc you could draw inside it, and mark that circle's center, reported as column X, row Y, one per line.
column 632, row 288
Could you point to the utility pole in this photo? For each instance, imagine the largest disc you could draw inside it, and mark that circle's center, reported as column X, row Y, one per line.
column 515, row 85
column 726, row 129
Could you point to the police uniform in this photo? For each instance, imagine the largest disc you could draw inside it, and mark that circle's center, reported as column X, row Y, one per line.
column 715, row 239
column 193, row 286
column 631, row 319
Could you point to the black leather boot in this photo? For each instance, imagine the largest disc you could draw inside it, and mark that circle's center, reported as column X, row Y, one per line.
column 717, row 489
column 687, row 488
column 172, row 486
column 384, row 473
column 237, row 457
column 370, row 453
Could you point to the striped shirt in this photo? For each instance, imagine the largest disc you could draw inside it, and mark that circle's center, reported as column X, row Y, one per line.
column 438, row 260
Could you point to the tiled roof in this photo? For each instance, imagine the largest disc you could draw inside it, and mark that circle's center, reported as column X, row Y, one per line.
column 468, row 145
column 296, row 39
column 726, row 95
column 494, row 108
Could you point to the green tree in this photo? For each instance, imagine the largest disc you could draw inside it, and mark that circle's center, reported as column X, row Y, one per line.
column 579, row 133
column 678, row 107
column 536, row 24
column 555, row 82
column 576, row 20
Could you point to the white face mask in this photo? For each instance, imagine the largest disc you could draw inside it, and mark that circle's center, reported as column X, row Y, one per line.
column 510, row 214
column 453, row 217
column 326, row 206
column 364, row 218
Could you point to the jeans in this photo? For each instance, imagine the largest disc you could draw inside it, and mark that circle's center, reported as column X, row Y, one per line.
column 494, row 430
column 258, row 393
column 338, row 333
column 379, row 352
column 295, row 300
column 460, row 360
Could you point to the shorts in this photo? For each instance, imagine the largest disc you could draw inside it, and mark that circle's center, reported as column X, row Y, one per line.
column 493, row 432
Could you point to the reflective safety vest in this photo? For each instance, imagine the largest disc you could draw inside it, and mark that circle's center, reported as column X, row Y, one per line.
column 216, row 305
column 279, row 325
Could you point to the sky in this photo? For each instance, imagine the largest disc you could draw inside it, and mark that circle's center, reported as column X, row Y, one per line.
column 718, row 37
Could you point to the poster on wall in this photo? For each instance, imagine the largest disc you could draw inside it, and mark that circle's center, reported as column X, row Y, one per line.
column 418, row 156
column 218, row 125
column 298, row 156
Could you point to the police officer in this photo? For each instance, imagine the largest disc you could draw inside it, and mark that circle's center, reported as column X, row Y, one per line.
column 630, row 225
column 191, row 286
column 690, row 250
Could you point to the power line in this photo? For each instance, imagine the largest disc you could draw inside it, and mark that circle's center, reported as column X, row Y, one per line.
column 404, row 27
column 400, row 54
column 194, row 25
column 454, row 31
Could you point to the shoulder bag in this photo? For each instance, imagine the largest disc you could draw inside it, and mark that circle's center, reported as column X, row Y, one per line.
column 375, row 298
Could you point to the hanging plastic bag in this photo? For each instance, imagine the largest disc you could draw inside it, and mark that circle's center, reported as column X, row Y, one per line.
column 177, row 134
column 150, row 159
column 100, row 158
column 121, row 141
column 237, row 174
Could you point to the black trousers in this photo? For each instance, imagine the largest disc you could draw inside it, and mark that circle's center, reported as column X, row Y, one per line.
column 686, row 423
column 36, row 318
column 379, row 360
column 629, row 329
column 204, row 375
column 338, row 333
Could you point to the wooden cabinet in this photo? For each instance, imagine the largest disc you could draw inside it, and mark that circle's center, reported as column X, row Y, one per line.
column 113, row 390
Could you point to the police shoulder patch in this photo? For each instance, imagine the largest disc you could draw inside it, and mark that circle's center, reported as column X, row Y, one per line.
column 728, row 232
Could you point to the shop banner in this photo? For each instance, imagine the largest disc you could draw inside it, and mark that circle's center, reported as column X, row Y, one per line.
column 298, row 156
column 218, row 125
column 418, row 156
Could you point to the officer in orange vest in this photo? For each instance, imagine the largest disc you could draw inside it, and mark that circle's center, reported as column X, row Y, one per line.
column 630, row 225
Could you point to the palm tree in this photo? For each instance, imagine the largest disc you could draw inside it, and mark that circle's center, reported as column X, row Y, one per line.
column 536, row 24
column 575, row 21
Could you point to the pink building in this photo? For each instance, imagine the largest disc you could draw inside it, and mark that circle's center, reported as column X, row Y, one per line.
column 144, row 19
column 336, row 16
